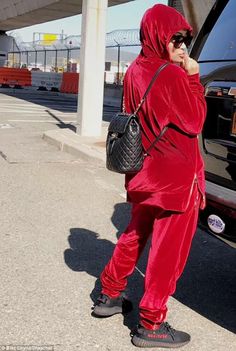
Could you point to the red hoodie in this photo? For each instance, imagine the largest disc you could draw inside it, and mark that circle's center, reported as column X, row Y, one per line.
column 176, row 99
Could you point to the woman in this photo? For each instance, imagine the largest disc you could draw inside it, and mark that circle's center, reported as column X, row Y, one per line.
column 167, row 193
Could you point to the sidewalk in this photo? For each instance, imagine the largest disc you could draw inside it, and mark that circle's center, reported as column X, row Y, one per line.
column 86, row 147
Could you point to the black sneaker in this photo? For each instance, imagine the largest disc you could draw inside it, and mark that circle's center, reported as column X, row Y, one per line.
column 107, row 307
column 165, row 336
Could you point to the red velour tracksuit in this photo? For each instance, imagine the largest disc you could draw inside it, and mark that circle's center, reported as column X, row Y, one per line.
column 168, row 191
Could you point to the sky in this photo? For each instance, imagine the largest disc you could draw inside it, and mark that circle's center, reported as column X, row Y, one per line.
column 125, row 16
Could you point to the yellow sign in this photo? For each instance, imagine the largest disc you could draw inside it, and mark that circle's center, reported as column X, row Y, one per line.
column 49, row 39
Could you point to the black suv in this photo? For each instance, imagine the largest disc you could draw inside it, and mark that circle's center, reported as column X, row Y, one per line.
column 215, row 50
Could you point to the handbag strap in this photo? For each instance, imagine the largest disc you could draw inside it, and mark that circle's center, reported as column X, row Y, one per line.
column 150, row 86
column 156, row 140
column 142, row 101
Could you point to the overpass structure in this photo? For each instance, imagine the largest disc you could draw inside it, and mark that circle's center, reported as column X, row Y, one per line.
column 16, row 14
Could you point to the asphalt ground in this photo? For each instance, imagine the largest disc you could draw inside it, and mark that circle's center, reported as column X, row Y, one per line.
column 60, row 218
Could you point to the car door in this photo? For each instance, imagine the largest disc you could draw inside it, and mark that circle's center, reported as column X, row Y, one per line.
column 215, row 50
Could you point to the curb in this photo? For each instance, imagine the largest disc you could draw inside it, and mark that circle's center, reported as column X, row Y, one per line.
column 91, row 148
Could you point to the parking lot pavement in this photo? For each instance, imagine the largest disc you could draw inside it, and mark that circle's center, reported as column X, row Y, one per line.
column 60, row 217
column 53, row 114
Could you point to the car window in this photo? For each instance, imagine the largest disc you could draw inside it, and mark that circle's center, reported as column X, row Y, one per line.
column 221, row 42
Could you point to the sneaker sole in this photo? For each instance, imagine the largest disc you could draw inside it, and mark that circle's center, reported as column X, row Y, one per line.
column 145, row 343
column 103, row 312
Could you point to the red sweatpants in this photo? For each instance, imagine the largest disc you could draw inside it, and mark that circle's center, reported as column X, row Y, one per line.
column 172, row 235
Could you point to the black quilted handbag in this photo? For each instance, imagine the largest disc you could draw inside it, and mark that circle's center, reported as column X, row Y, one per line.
column 124, row 150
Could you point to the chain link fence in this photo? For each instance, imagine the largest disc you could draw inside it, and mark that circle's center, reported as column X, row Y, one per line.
column 122, row 46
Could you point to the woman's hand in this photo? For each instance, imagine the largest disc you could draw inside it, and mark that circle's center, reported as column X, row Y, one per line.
column 190, row 65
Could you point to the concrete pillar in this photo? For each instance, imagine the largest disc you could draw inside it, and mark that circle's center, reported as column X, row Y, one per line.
column 6, row 43
column 92, row 66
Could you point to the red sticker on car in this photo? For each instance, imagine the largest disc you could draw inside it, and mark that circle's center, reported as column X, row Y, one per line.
column 234, row 124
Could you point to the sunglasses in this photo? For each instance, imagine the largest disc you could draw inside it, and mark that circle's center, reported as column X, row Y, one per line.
column 179, row 39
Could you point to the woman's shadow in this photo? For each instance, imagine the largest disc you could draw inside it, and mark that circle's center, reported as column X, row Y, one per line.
column 89, row 253
column 210, row 271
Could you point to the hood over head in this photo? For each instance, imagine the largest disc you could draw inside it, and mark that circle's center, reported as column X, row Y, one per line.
column 158, row 25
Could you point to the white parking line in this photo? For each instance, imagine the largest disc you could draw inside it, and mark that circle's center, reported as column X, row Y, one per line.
column 38, row 121
column 23, row 110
